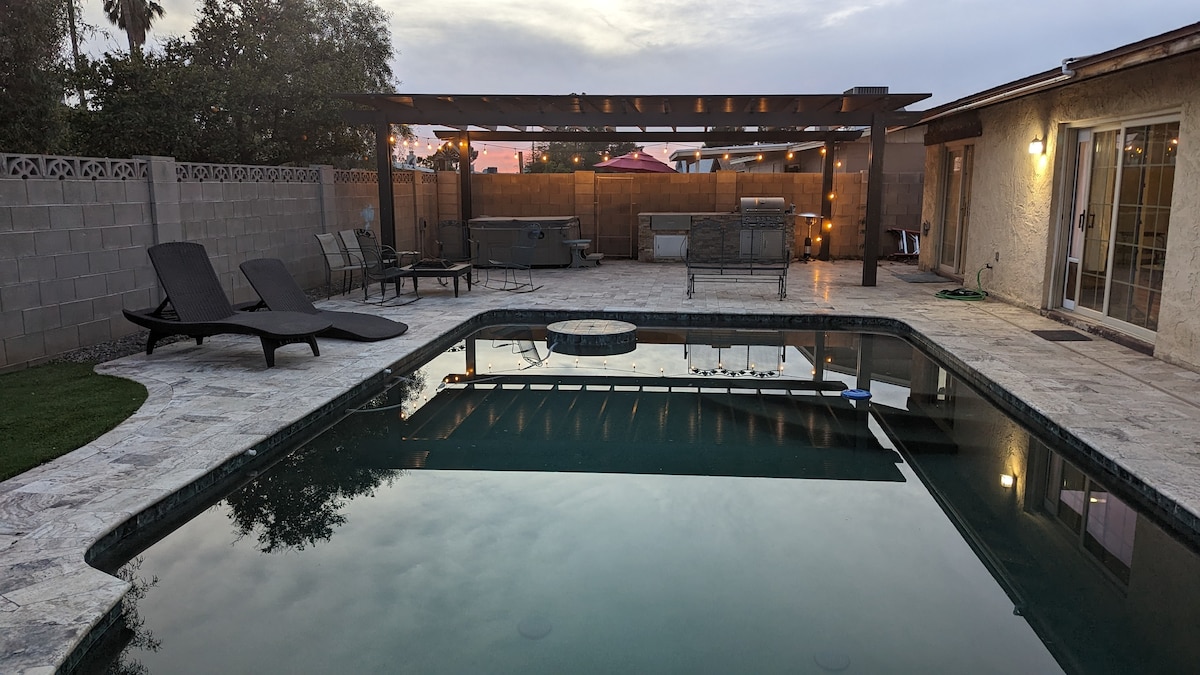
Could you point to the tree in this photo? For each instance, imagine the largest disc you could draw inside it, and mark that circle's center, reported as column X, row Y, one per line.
column 32, row 39
column 446, row 158
column 135, row 17
column 272, row 71
column 570, row 156
column 142, row 106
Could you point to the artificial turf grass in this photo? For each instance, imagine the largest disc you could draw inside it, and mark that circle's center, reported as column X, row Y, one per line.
column 49, row 410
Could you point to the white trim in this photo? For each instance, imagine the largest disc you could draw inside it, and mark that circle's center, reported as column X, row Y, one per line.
column 1110, row 123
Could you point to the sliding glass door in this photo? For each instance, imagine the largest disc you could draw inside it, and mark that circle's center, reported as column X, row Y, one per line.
column 1117, row 242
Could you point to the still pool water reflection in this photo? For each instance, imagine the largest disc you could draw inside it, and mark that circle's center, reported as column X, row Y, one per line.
column 672, row 510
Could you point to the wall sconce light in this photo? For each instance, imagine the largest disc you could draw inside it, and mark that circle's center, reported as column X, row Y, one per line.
column 1037, row 146
column 1007, row 480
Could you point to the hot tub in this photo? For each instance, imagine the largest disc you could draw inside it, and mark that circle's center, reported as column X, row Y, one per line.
column 547, row 233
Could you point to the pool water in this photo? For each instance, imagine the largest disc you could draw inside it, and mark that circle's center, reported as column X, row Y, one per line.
column 710, row 503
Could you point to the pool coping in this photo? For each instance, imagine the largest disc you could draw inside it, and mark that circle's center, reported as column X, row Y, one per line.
column 64, row 600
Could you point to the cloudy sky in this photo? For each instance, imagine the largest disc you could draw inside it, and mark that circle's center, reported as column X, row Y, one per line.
column 947, row 48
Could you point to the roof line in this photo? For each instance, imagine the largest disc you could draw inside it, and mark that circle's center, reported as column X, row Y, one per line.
column 1155, row 48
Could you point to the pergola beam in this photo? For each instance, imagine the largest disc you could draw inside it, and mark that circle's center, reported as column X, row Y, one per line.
column 737, row 137
column 631, row 111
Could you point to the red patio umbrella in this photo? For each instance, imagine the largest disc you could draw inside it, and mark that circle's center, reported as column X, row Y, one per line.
column 634, row 162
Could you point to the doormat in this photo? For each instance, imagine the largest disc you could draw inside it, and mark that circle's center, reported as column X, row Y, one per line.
column 1062, row 335
column 924, row 278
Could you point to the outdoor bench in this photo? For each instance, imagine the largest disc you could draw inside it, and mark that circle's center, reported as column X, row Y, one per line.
column 735, row 252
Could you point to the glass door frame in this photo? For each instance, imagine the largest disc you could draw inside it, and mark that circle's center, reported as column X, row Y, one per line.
column 1074, row 191
column 967, row 151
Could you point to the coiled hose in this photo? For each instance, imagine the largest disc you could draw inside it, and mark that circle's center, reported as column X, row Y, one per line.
column 966, row 293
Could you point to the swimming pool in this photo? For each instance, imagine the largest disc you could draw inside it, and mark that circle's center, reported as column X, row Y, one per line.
column 709, row 503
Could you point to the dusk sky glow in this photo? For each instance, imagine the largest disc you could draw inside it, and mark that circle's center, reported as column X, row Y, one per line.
column 948, row 48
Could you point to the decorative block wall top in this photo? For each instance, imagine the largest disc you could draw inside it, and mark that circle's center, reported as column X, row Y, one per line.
column 238, row 173
column 48, row 166
column 368, row 176
column 354, row 176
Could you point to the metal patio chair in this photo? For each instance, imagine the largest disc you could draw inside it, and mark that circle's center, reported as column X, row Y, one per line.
column 336, row 260
column 514, row 261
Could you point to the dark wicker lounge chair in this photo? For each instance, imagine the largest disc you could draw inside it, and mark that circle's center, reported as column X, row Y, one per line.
column 280, row 293
column 199, row 308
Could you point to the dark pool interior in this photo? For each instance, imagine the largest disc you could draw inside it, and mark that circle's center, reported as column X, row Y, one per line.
column 709, row 502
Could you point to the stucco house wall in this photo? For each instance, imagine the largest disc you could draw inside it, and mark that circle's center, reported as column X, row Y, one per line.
column 1019, row 201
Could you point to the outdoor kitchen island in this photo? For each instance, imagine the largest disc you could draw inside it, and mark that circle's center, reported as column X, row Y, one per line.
column 663, row 236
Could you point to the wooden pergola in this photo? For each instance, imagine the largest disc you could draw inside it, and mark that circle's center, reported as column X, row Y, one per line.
column 726, row 119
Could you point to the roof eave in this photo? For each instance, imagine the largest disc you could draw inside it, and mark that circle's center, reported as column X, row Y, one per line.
column 1150, row 50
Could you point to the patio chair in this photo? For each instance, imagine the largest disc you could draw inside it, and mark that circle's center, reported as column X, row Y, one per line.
column 376, row 268
column 280, row 293
column 350, row 245
column 454, row 244
column 199, row 308
column 515, row 261
column 336, row 260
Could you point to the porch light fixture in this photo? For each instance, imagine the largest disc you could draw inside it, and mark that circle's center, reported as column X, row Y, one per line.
column 1037, row 146
column 1007, row 480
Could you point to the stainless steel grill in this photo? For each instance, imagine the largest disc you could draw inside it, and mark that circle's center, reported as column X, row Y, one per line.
column 762, row 211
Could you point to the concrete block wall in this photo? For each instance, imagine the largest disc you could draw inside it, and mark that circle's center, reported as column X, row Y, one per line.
column 607, row 204
column 239, row 221
column 534, row 194
column 70, row 259
column 74, row 233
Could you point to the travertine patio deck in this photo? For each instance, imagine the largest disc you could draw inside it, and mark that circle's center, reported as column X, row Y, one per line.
column 210, row 403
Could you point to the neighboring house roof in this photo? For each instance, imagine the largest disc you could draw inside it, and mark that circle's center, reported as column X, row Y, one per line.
column 1157, row 48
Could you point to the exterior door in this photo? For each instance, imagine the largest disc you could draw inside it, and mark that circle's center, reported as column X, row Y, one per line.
column 956, row 203
column 1125, row 178
column 1078, row 228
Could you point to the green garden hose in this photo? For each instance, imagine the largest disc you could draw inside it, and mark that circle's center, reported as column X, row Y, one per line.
column 966, row 293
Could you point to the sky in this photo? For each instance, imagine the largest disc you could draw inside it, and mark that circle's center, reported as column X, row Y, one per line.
column 946, row 48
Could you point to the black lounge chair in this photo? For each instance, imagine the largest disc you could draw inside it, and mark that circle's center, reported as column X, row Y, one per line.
column 279, row 293
column 199, row 308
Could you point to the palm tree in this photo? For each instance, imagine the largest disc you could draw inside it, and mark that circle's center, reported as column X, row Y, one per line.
column 134, row 17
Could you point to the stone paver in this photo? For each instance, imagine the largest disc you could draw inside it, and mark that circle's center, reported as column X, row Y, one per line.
column 211, row 403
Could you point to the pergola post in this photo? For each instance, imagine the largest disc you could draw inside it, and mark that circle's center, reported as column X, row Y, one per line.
column 824, row 231
column 874, row 201
column 464, row 177
column 383, row 169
